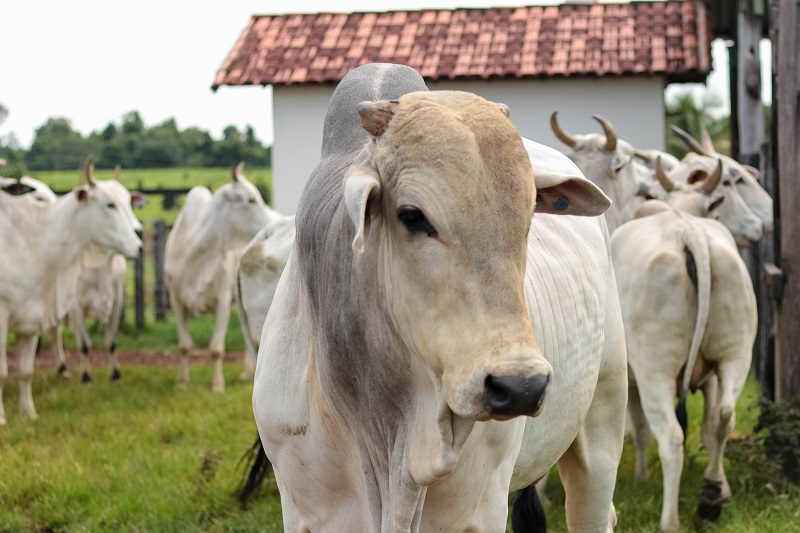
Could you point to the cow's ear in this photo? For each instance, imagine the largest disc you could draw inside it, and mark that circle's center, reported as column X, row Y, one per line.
column 81, row 193
column 361, row 189
column 752, row 170
column 561, row 188
column 573, row 196
column 375, row 116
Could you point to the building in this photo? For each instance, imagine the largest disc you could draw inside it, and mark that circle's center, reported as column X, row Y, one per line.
column 578, row 59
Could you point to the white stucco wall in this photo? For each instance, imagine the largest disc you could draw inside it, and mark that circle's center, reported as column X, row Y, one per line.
column 635, row 106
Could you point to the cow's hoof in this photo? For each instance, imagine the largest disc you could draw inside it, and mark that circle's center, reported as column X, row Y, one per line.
column 710, row 505
column 85, row 378
column 62, row 371
column 246, row 375
column 218, row 388
column 115, row 375
column 181, row 385
column 3, row 421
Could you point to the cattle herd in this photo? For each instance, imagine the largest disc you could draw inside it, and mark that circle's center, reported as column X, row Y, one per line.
column 453, row 310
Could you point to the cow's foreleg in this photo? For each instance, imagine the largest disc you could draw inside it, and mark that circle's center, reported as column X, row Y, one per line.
column 217, row 345
column 57, row 341
column 82, row 336
column 732, row 377
column 184, row 341
column 26, row 352
column 249, row 359
column 588, row 469
column 3, row 362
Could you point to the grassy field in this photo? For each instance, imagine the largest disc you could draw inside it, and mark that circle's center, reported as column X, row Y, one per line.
column 138, row 455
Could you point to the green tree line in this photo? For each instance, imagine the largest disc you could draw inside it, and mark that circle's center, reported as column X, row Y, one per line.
column 57, row 146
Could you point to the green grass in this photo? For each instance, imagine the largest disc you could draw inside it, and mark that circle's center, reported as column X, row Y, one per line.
column 761, row 502
column 138, row 455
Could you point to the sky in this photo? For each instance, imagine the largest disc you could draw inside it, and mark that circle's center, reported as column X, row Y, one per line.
column 93, row 61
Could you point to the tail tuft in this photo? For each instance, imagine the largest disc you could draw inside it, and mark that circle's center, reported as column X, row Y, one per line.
column 528, row 515
column 680, row 414
column 258, row 467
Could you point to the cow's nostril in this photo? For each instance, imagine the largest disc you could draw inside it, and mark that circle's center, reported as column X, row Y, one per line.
column 514, row 395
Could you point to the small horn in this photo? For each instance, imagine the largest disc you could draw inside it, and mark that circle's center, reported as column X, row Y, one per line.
column 706, row 139
column 118, row 172
column 88, row 171
column 710, row 183
column 690, row 141
column 611, row 135
column 562, row 135
column 236, row 171
column 665, row 182
column 375, row 116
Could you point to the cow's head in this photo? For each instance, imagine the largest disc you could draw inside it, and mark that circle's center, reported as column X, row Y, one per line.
column 743, row 177
column 441, row 201
column 105, row 215
column 236, row 212
column 609, row 163
column 697, row 185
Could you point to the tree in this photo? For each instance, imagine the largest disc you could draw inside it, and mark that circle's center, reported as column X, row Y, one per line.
column 685, row 113
column 56, row 146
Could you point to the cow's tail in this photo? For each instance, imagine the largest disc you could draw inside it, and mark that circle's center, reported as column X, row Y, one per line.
column 527, row 515
column 257, row 466
column 697, row 256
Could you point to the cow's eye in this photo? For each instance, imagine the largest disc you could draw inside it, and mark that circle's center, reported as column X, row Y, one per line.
column 740, row 181
column 726, row 183
column 415, row 222
column 111, row 205
column 251, row 201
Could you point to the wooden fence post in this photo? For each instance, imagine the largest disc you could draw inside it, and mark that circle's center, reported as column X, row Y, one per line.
column 160, row 232
column 138, row 273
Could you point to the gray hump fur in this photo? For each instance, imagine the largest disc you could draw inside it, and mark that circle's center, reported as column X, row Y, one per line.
column 374, row 81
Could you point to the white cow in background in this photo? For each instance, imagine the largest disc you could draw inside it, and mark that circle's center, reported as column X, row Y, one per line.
column 200, row 260
column 425, row 310
column 257, row 275
column 690, row 322
column 609, row 163
column 43, row 245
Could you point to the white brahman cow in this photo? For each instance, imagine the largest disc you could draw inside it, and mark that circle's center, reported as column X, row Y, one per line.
column 43, row 244
column 200, row 260
column 608, row 162
column 690, row 322
column 101, row 291
column 257, row 275
column 426, row 315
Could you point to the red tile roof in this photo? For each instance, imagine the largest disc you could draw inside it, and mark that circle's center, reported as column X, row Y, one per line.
column 640, row 38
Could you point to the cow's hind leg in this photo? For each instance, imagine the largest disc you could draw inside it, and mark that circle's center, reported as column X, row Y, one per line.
column 110, row 342
column 641, row 431
column 26, row 352
column 57, row 341
column 657, row 393
column 732, row 377
column 184, row 341
column 78, row 323
column 217, row 345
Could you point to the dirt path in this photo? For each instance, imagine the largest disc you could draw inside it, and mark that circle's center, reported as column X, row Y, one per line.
column 47, row 359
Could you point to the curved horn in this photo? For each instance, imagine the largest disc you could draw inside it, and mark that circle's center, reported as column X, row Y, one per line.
column 562, row 135
column 665, row 182
column 88, row 171
column 690, row 141
column 611, row 135
column 118, row 172
column 710, row 183
column 236, row 171
column 706, row 139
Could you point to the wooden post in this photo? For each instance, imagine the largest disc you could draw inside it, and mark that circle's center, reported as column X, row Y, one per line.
column 787, row 50
column 159, row 241
column 138, row 274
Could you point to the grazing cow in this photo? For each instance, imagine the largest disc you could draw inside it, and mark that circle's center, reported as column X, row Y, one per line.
column 27, row 185
column 200, row 260
column 690, row 322
column 424, row 312
column 43, row 245
column 609, row 163
column 257, row 275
